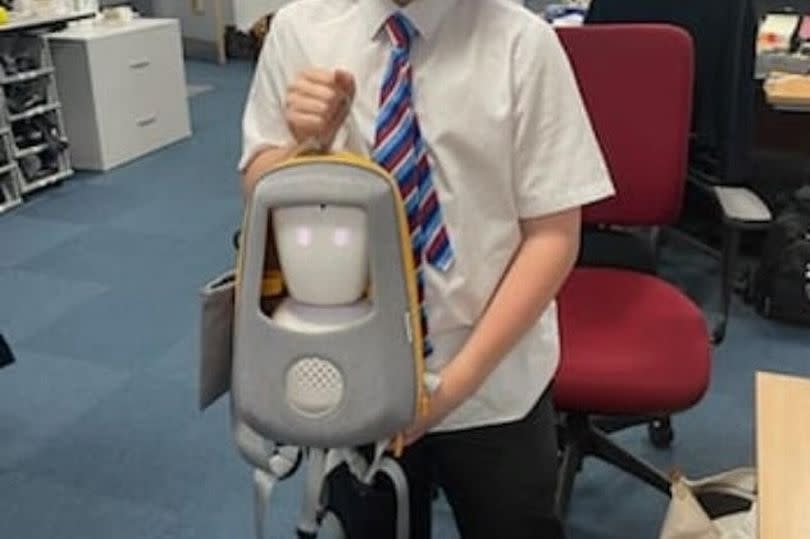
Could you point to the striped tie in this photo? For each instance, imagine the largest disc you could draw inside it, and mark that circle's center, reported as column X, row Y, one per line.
column 400, row 149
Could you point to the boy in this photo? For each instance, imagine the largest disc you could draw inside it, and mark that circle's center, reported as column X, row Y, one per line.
column 472, row 106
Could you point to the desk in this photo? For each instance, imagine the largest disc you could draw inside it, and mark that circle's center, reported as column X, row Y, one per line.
column 783, row 456
column 778, row 130
column 27, row 23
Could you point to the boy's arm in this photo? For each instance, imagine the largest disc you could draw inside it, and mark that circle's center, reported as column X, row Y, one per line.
column 315, row 106
column 261, row 163
column 546, row 256
column 547, row 253
column 289, row 103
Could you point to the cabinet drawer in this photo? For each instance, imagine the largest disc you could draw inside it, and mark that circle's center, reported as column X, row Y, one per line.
column 140, row 92
column 125, row 64
column 159, row 79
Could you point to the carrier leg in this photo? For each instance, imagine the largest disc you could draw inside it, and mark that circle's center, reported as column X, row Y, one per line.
column 395, row 473
column 308, row 525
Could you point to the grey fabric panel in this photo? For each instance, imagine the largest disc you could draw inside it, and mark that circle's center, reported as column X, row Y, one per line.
column 216, row 339
column 374, row 355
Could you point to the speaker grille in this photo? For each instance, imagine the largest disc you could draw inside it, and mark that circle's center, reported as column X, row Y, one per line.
column 314, row 386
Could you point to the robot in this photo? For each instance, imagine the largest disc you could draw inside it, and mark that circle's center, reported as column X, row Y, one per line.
column 326, row 354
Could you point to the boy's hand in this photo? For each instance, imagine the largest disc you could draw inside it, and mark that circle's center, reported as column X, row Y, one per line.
column 318, row 103
column 444, row 398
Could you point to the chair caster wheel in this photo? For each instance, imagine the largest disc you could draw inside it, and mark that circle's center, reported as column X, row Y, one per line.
column 661, row 433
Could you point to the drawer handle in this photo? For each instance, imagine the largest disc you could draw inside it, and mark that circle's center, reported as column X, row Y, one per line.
column 139, row 64
column 147, row 120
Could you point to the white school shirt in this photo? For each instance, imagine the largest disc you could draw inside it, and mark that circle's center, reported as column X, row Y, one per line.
column 508, row 139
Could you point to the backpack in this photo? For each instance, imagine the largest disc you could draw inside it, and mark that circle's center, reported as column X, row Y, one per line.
column 781, row 287
column 338, row 397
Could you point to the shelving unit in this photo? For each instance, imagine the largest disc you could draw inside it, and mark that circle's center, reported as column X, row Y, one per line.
column 10, row 183
column 30, row 117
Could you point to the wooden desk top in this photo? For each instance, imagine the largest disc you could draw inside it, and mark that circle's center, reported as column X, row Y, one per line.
column 783, row 456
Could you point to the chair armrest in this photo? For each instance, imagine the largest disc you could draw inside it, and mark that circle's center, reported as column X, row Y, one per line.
column 741, row 209
column 741, row 206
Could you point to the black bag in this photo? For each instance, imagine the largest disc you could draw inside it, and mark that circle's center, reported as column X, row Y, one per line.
column 6, row 357
column 781, row 288
column 776, row 175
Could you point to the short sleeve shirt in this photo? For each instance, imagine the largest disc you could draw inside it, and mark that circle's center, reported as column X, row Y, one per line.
column 508, row 139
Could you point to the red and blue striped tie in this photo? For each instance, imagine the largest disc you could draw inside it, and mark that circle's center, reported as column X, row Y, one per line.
column 400, row 149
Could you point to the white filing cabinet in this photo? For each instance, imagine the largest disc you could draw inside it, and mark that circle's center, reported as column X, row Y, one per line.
column 123, row 89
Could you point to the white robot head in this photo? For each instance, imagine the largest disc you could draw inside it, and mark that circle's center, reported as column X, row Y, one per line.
column 323, row 253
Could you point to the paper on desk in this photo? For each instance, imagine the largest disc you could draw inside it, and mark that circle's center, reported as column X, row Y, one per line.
column 776, row 32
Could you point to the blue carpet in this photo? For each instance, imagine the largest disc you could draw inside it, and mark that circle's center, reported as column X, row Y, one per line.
column 99, row 433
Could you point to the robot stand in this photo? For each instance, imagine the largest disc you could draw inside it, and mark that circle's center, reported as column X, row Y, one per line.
column 320, row 463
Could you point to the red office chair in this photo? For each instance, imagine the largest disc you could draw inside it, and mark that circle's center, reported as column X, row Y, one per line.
column 633, row 346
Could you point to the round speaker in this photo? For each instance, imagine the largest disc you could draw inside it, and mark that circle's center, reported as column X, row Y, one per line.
column 314, row 386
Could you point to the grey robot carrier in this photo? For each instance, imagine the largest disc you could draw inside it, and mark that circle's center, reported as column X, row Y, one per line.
column 317, row 332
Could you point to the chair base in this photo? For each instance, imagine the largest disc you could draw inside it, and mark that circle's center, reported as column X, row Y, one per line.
column 659, row 428
column 580, row 437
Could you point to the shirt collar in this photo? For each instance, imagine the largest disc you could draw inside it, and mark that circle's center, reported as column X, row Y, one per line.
column 426, row 15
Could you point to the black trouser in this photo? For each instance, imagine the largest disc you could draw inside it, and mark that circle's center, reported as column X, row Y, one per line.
column 499, row 480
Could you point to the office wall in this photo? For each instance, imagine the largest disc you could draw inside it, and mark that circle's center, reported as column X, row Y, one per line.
column 246, row 12
column 198, row 26
column 203, row 32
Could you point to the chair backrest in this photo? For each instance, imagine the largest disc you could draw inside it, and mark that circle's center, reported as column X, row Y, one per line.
column 724, row 36
column 636, row 82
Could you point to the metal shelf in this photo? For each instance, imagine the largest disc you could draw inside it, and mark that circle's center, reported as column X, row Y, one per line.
column 35, row 50
column 30, row 186
column 26, row 76
column 19, row 153
column 33, row 111
column 10, row 189
column 5, row 169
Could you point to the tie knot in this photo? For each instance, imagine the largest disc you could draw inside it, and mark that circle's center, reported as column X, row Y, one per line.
column 400, row 30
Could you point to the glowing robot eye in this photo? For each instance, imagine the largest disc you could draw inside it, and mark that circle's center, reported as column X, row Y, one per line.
column 342, row 236
column 304, row 236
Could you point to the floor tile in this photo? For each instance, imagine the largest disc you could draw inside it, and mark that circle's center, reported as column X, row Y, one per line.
column 33, row 508
column 30, row 301
column 22, row 237
column 43, row 396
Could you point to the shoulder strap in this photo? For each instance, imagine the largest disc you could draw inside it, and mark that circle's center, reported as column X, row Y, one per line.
column 393, row 470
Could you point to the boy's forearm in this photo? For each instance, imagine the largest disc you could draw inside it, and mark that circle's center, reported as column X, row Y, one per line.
column 264, row 161
column 540, row 267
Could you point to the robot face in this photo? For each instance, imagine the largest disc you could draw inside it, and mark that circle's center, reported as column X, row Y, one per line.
column 341, row 236
column 323, row 251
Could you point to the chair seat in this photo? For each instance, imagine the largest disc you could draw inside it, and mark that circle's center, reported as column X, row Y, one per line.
column 632, row 344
